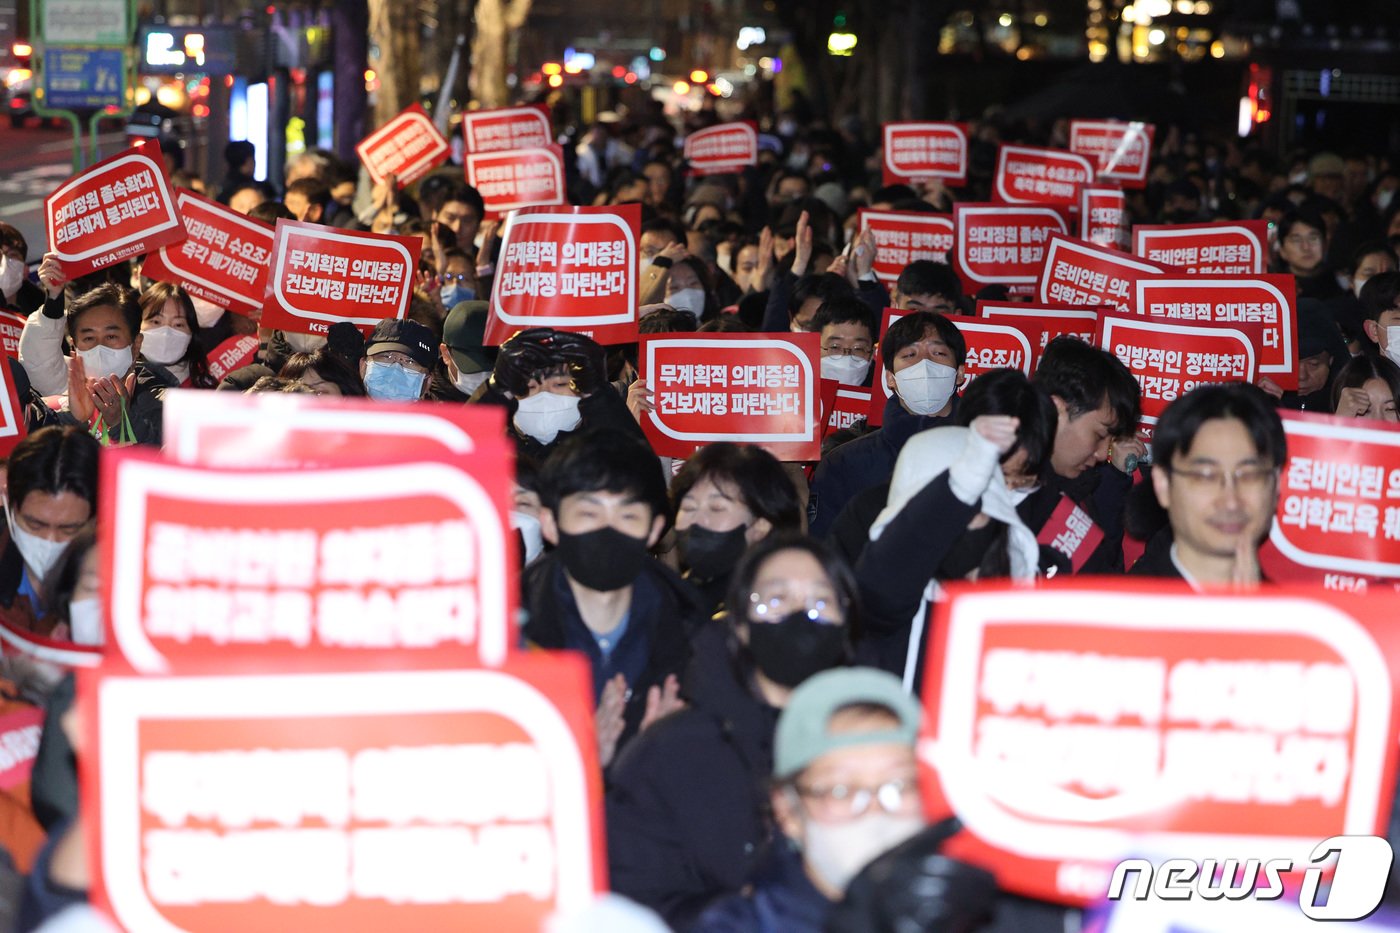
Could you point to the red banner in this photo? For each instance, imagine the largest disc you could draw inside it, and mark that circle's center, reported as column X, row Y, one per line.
column 1103, row 218
column 233, row 353
column 1076, row 273
column 260, row 563
column 1263, row 299
column 1170, row 359
column 761, row 389
column 407, row 147
column 224, row 260
column 356, row 801
column 1030, row 175
column 848, row 405
column 902, row 237
column 11, row 326
column 999, row 245
column 121, row 207
column 722, row 149
column 1338, row 520
column 1119, row 151
column 507, row 128
column 13, row 427
column 321, row 275
column 571, row 268
column 993, row 345
column 1232, row 248
column 1043, row 324
column 1072, row 726
column 517, row 178
column 917, row 152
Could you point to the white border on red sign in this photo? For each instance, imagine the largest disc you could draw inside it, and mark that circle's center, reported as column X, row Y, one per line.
column 1098, row 253
column 999, row 210
column 1350, row 434
column 172, row 216
column 1167, row 326
column 810, row 418
column 1129, row 130
column 1192, row 282
column 1141, row 236
column 124, row 702
column 137, row 480
column 994, row 814
column 893, row 129
column 1034, row 151
column 720, row 130
column 280, row 249
column 392, row 128
column 1005, row 330
column 1001, row 310
column 622, row 317
column 554, row 158
column 471, row 118
column 167, row 253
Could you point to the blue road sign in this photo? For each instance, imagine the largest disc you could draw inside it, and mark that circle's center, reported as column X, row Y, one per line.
column 84, row 78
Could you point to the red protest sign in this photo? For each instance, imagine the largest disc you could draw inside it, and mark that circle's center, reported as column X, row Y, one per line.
column 11, row 326
column 18, row 642
column 504, row 128
column 13, row 427
column 1120, row 151
column 1043, row 324
column 287, row 431
column 233, row 353
column 880, row 391
column 571, row 268
column 902, row 237
column 1338, row 504
column 225, row 258
column 1072, row 533
column 722, row 149
column 1103, row 218
column 1232, row 248
column 407, row 147
column 119, row 208
column 1077, row 273
column 321, row 275
column 924, row 151
column 1264, row 299
column 1071, row 726
column 848, row 405
column 359, row 800
column 999, row 245
column 761, row 389
column 202, row 562
column 993, row 345
column 517, row 178
column 1170, row 359
column 1031, row 175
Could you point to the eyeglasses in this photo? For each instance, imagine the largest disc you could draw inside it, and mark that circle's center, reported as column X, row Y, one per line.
column 1244, row 479
column 860, row 353
column 772, row 607
column 461, row 278
column 394, row 357
column 848, row 802
column 1303, row 239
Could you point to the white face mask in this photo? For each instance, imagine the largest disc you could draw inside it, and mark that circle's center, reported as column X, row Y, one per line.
column 529, row 528
column 925, row 387
column 207, row 312
column 838, row 851
column 304, row 343
column 40, row 554
column 1392, row 344
column 846, row 370
column 468, row 383
column 85, row 621
column 164, row 345
column 688, row 299
column 1383, row 199
column 100, row 361
column 544, row 414
column 11, row 275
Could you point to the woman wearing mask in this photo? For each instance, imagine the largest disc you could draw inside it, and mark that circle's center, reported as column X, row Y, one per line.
column 689, row 290
column 1367, row 387
column 727, row 498
column 687, row 805
column 323, row 373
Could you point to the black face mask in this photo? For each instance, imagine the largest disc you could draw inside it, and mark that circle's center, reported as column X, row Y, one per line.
column 603, row 560
column 795, row 647
column 711, row 554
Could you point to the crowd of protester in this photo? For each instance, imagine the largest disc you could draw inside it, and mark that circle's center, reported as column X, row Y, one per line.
column 754, row 628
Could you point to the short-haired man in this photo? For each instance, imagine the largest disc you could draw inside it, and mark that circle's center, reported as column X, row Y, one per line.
column 925, row 285
column 1380, row 307
column 307, row 199
column 599, row 592
column 1217, row 454
column 923, row 356
column 1302, row 251
column 847, row 329
column 461, row 211
column 845, row 791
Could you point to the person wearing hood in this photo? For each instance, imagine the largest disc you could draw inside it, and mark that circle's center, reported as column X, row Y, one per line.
column 923, row 355
column 687, row 803
column 464, row 364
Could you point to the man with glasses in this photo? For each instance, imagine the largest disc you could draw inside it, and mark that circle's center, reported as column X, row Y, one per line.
column 1217, row 454
column 398, row 359
column 848, row 340
column 845, row 791
column 1302, row 250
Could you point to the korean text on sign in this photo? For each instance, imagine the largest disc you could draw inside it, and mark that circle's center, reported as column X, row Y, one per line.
column 224, row 260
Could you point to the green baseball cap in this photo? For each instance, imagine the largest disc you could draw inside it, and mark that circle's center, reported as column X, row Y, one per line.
column 804, row 733
column 463, row 331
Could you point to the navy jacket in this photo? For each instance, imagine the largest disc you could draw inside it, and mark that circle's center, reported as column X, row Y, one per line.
column 783, row 900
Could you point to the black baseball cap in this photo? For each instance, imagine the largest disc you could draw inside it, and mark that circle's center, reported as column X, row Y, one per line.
column 463, row 332
column 408, row 337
